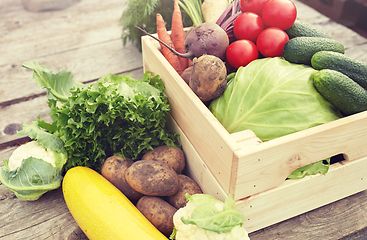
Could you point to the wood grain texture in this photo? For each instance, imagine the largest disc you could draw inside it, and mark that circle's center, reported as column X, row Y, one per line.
column 88, row 45
column 330, row 222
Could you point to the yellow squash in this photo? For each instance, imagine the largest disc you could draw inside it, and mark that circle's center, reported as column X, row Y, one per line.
column 101, row 210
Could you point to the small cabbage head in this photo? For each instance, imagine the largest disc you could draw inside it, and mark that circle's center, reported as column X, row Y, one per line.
column 35, row 167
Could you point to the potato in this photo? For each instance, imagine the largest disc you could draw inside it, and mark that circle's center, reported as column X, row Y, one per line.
column 158, row 212
column 113, row 169
column 152, row 178
column 187, row 185
column 173, row 156
column 208, row 79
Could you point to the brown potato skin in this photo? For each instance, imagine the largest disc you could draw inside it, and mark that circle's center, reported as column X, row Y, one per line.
column 152, row 178
column 158, row 212
column 113, row 169
column 208, row 79
column 173, row 156
column 187, row 185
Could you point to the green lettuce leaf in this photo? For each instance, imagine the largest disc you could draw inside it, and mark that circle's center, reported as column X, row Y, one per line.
column 58, row 85
column 208, row 216
column 32, row 179
column 273, row 98
column 321, row 167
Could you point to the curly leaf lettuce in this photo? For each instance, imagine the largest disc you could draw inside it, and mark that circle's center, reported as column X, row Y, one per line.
column 273, row 98
column 117, row 115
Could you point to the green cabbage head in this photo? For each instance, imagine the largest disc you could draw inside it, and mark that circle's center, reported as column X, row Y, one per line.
column 35, row 167
column 273, row 98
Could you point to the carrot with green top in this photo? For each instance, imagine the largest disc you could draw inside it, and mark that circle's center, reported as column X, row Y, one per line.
column 164, row 36
column 178, row 35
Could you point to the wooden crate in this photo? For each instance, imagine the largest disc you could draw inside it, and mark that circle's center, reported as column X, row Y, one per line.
column 254, row 172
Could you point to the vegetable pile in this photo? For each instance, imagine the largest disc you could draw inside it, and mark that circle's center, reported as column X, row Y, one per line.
column 283, row 75
column 250, row 61
column 148, row 199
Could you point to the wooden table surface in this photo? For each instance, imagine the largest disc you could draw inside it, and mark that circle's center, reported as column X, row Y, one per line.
column 85, row 39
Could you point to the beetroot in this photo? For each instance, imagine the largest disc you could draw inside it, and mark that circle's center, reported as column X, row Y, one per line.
column 207, row 38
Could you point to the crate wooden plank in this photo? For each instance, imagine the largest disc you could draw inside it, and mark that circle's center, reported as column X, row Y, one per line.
column 196, row 167
column 295, row 197
column 268, row 164
column 344, row 219
column 214, row 137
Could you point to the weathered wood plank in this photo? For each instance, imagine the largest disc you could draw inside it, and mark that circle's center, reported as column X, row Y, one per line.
column 46, row 33
column 86, row 64
column 46, row 218
column 87, row 44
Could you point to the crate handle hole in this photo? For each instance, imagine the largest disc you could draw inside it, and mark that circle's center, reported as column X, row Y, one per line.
column 337, row 158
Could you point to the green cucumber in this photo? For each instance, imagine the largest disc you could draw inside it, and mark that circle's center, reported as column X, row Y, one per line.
column 353, row 68
column 304, row 29
column 301, row 49
column 341, row 91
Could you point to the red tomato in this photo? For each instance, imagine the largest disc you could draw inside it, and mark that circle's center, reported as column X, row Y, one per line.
column 270, row 42
column 241, row 52
column 255, row 6
column 279, row 13
column 248, row 26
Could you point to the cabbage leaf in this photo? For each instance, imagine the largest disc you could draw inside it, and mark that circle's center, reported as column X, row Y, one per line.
column 209, row 216
column 34, row 176
column 32, row 179
column 273, row 98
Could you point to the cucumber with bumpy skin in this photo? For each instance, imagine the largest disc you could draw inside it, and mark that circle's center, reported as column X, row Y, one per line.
column 341, row 91
column 353, row 68
column 301, row 49
column 305, row 29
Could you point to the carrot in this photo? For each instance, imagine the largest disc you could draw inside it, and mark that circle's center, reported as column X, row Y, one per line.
column 163, row 35
column 189, row 63
column 178, row 35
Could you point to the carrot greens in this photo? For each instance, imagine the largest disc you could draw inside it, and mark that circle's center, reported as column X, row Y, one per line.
column 193, row 9
column 143, row 13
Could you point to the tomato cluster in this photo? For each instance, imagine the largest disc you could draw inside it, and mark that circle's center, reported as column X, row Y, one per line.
column 260, row 29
